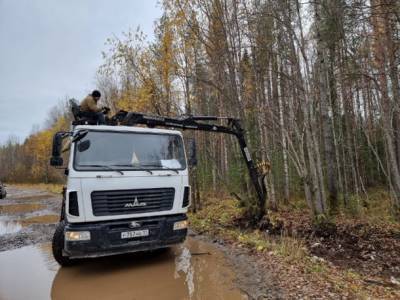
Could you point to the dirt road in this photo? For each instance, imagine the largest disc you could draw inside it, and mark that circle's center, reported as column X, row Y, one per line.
column 198, row 269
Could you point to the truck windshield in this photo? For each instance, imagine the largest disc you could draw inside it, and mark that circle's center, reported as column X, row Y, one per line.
column 110, row 151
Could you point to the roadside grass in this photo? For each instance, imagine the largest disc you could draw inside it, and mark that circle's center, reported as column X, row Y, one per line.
column 378, row 206
column 47, row 187
column 374, row 208
column 218, row 218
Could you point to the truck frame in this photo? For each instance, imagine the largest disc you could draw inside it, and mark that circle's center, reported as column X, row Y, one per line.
column 87, row 228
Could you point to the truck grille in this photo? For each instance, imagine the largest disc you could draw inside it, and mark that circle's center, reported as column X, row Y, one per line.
column 119, row 202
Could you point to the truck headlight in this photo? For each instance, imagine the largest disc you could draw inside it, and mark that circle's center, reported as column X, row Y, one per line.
column 77, row 235
column 180, row 225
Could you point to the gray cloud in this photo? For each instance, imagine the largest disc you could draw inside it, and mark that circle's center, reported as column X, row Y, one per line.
column 52, row 49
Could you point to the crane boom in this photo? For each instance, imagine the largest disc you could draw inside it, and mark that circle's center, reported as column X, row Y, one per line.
column 189, row 122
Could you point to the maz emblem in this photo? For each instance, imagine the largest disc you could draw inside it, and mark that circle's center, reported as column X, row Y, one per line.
column 134, row 224
column 135, row 203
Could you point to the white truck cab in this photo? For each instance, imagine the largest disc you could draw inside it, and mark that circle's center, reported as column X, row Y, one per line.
column 127, row 190
column 127, row 187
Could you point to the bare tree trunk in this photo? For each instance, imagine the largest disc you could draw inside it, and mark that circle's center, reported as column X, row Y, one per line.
column 387, row 104
column 324, row 94
column 283, row 141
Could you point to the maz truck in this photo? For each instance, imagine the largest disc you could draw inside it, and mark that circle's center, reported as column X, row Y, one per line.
column 127, row 186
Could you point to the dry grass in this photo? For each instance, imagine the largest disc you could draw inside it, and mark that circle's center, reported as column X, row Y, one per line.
column 374, row 208
column 218, row 217
column 378, row 208
column 290, row 248
column 19, row 208
column 288, row 256
column 50, row 187
column 47, row 219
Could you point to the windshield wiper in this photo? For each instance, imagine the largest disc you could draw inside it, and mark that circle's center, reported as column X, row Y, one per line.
column 105, row 166
column 162, row 167
column 135, row 168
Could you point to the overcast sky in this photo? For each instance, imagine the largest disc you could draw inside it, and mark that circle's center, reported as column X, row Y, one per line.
column 50, row 49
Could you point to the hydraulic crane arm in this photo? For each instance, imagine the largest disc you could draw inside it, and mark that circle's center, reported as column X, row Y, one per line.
column 257, row 172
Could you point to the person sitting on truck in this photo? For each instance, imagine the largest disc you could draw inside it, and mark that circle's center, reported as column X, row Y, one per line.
column 90, row 109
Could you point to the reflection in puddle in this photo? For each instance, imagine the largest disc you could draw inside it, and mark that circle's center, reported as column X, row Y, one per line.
column 182, row 263
column 7, row 227
column 25, row 274
column 194, row 270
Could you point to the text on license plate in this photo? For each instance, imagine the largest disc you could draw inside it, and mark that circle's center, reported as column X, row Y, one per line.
column 132, row 234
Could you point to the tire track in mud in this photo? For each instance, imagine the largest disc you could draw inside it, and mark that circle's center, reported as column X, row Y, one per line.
column 27, row 217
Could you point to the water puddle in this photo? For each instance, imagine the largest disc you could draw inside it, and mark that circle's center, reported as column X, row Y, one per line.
column 25, row 273
column 7, row 227
column 195, row 270
column 20, row 208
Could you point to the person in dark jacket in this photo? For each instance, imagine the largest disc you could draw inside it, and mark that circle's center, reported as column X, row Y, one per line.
column 90, row 109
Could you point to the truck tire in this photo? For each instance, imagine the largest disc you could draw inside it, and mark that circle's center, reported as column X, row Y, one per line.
column 58, row 246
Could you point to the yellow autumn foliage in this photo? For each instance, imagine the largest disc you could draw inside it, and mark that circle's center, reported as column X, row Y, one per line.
column 37, row 151
column 141, row 99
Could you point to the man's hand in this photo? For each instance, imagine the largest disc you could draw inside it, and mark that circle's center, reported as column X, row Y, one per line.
column 105, row 109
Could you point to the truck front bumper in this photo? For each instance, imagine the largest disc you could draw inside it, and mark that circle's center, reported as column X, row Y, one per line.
column 105, row 237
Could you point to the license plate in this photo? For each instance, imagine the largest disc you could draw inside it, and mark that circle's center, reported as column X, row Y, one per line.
column 133, row 234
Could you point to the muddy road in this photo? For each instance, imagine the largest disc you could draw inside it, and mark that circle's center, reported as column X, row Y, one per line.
column 197, row 269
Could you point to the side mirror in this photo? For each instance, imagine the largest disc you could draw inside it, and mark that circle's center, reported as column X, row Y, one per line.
column 56, row 159
column 83, row 146
column 192, row 155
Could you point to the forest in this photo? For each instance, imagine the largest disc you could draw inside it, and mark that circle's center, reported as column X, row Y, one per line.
column 316, row 85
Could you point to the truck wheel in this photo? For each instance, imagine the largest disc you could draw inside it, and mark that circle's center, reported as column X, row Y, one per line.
column 161, row 250
column 58, row 246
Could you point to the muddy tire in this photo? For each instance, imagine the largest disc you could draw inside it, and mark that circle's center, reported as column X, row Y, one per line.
column 161, row 251
column 58, row 246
